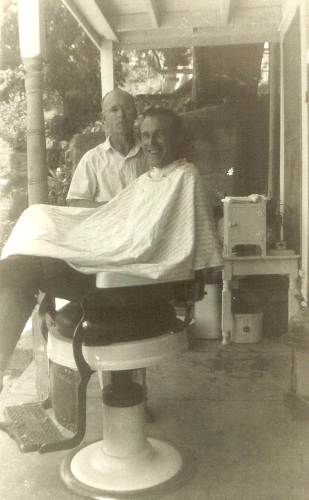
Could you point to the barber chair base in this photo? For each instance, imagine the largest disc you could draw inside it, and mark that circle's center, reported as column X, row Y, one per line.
column 154, row 471
column 125, row 464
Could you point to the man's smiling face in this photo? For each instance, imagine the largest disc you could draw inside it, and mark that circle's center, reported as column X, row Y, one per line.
column 158, row 140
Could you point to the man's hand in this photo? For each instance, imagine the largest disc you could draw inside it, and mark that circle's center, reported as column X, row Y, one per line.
column 84, row 203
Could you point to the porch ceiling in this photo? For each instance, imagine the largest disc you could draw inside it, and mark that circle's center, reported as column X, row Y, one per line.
column 178, row 23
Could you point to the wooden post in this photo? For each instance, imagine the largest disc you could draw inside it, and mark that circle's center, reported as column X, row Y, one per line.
column 304, row 24
column 36, row 147
column 107, row 66
column 274, row 122
column 282, row 141
column 32, row 45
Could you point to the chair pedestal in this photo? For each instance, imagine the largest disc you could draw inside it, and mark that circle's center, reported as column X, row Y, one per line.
column 126, row 463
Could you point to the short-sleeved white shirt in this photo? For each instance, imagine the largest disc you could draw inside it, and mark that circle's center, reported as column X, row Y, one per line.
column 103, row 172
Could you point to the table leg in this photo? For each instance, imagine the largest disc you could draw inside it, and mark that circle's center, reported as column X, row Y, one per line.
column 293, row 294
column 227, row 318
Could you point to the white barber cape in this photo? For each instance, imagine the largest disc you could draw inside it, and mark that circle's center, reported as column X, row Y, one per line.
column 158, row 228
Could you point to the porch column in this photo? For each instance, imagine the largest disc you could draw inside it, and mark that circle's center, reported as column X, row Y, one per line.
column 274, row 122
column 304, row 24
column 31, row 36
column 107, row 66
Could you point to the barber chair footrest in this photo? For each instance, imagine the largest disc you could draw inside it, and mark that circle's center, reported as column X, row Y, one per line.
column 31, row 427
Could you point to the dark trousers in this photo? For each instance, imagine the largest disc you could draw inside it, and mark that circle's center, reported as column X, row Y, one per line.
column 21, row 278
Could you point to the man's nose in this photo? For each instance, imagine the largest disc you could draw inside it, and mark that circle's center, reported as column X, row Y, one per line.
column 121, row 112
column 153, row 140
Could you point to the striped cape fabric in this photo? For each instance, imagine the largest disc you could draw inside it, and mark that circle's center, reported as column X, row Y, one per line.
column 159, row 227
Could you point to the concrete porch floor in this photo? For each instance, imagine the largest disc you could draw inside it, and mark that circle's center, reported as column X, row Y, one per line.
column 226, row 404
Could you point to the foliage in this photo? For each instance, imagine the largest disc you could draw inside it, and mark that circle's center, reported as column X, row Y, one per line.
column 60, row 177
column 72, row 65
column 12, row 94
column 11, row 82
column 9, row 54
column 144, row 71
column 13, row 121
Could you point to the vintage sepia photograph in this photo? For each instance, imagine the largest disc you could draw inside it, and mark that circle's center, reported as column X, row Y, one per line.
column 154, row 249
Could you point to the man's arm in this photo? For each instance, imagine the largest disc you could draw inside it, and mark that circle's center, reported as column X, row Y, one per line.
column 84, row 203
column 84, row 184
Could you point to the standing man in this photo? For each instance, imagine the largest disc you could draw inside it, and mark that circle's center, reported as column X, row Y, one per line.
column 109, row 167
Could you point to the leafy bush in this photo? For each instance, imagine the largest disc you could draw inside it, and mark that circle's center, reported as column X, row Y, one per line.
column 60, row 175
column 13, row 108
column 13, row 122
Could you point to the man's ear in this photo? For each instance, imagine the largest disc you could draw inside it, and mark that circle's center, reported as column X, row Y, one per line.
column 103, row 119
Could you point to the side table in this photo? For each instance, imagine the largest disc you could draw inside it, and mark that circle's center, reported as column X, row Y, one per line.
column 234, row 267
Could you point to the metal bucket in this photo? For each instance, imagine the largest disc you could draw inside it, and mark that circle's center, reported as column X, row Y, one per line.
column 248, row 328
column 207, row 314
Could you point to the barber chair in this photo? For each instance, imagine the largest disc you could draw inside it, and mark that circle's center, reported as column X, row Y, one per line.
column 125, row 324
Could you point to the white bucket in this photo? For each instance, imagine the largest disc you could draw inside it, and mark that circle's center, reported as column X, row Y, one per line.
column 207, row 314
column 247, row 328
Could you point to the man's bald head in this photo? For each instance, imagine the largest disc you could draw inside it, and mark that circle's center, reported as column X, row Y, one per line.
column 117, row 94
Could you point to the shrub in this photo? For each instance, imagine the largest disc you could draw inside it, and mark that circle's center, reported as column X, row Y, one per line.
column 13, row 121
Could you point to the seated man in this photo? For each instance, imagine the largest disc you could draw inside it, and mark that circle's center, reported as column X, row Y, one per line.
column 158, row 228
column 100, row 175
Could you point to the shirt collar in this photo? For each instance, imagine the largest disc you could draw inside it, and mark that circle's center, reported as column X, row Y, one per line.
column 133, row 151
column 158, row 173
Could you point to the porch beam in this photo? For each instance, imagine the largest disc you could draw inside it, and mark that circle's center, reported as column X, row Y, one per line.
column 82, row 21
column 153, row 11
column 243, row 18
column 228, row 35
column 106, row 26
